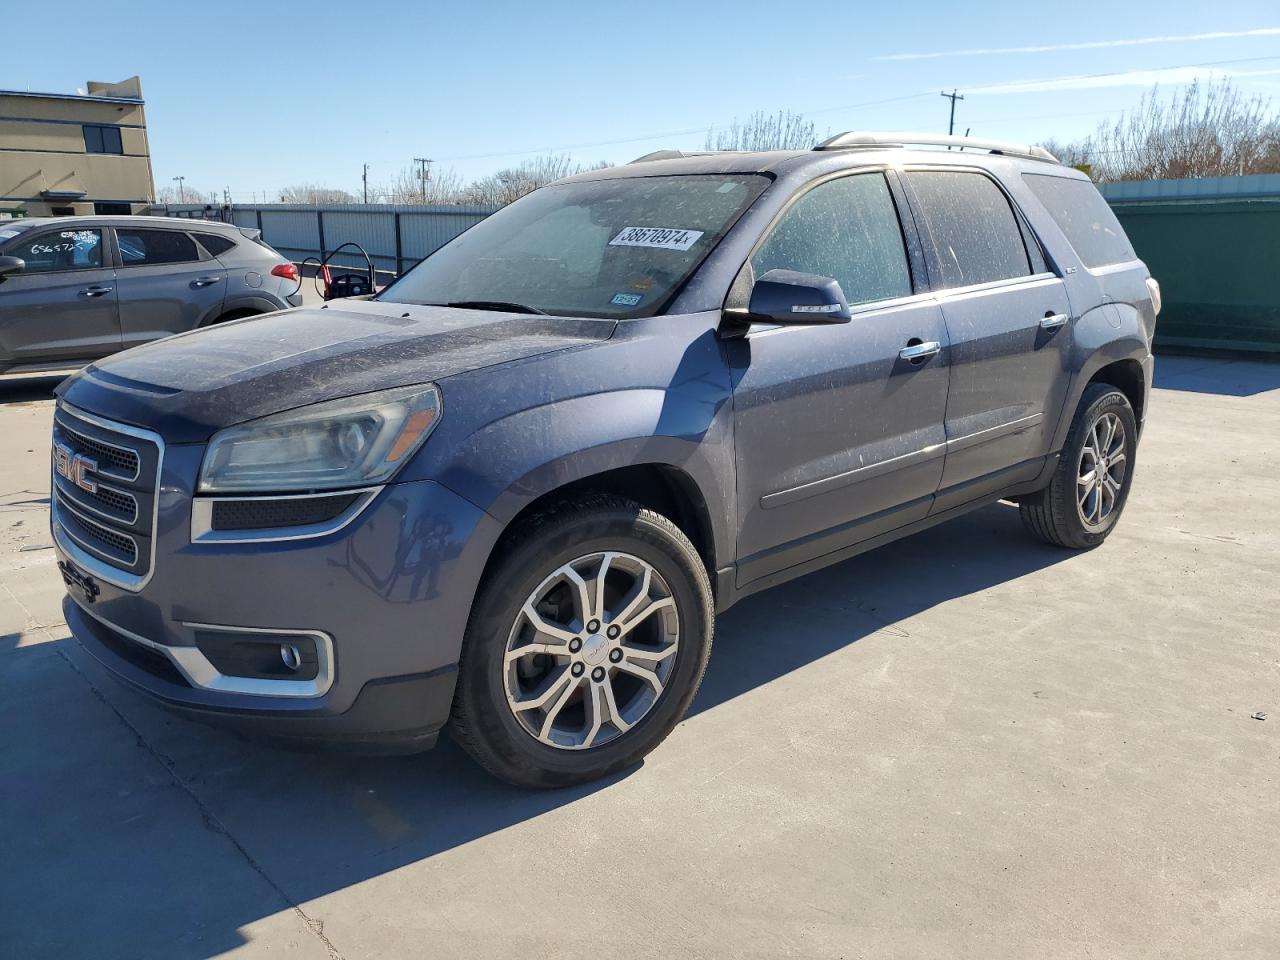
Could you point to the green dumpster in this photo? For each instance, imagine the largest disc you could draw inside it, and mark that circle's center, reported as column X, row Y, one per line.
column 1218, row 264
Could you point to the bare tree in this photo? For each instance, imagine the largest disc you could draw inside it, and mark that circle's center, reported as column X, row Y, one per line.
column 441, row 187
column 169, row 194
column 314, row 193
column 1210, row 129
column 512, row 183
column 765, row 131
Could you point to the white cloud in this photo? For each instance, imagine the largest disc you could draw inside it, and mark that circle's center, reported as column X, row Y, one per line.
column 1087, row 45
column 1131, row 78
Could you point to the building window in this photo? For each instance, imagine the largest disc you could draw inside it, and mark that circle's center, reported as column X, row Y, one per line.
column 102, row 139
column 110, row 209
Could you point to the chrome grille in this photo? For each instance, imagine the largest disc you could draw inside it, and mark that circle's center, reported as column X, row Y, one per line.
column 106, row 523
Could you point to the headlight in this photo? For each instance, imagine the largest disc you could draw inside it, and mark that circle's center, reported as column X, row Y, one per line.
column 351, row 442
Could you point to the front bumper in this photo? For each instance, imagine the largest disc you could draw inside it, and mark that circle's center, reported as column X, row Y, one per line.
column 390, row 592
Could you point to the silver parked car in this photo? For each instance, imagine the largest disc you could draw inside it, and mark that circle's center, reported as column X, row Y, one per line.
column 75, row 289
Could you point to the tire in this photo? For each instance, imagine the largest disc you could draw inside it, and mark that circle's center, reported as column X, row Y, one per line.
column 1072, row 511
column 498, row 676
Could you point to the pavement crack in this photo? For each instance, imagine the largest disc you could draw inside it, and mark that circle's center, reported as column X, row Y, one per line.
column 315, row 925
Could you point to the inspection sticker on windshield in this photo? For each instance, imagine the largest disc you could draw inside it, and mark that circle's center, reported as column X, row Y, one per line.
column 664, row 238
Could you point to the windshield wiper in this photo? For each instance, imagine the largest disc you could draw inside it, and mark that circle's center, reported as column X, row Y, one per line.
column 496, row 305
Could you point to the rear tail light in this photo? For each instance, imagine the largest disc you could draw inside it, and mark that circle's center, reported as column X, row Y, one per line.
column 286, row 270
column 1154, row 289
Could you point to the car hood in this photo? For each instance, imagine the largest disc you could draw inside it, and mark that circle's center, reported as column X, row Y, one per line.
column 189, row 386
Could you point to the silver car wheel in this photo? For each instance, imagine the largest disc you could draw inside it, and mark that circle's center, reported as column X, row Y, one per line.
column 1100, row 476
column 591, row 650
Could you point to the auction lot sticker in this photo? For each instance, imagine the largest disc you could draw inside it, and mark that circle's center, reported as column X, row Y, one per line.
column 664, row 238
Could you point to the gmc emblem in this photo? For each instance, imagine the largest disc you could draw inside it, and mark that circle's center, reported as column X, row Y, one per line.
column 75, row 467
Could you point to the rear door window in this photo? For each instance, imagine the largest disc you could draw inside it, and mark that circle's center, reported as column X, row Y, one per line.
column 973, row 230
column 1084, row 216
column 847, row 229
column 147, row 247
column 60, row 250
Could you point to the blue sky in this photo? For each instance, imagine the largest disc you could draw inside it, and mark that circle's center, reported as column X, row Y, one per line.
column 257, row 96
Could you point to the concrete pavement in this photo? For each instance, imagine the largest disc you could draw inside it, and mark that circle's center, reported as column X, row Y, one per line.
column 965, row 744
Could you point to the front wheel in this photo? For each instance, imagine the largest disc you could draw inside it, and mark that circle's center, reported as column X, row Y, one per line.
column 587, row 642
column 1091, row 484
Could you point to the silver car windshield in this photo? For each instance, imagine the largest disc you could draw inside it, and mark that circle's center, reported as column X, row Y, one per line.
column 599, row 248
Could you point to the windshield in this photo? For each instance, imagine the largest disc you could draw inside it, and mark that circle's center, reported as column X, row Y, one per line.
column 600, row 248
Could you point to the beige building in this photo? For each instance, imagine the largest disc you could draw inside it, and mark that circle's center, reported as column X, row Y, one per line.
column 66, row 154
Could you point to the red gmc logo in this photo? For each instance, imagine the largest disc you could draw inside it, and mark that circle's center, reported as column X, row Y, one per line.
column 75, row 467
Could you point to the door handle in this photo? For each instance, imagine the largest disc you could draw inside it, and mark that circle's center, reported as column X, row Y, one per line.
column 95, row 291
column 919, row 351
column 204, row 281
column 1052, row 321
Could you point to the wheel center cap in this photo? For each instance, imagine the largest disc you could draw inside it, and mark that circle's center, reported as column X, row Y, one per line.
column 595, row 649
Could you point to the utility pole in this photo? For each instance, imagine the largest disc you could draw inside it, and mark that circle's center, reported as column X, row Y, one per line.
column 953, row 97
column 182, row 197
column 424, row 173
column 365, row 179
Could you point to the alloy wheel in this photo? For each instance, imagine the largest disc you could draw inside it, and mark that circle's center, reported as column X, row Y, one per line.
column 591, row 650
column 1101, row 472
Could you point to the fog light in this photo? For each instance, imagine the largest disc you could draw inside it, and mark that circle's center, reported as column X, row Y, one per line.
column 259, row 655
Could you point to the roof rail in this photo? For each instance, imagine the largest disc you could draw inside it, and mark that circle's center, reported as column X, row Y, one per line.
column 862, row 139
column 676, row 154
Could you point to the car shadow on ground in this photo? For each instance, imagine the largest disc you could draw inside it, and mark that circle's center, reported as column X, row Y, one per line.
column 319, row 823
column 29, row 389
column 1226, row 375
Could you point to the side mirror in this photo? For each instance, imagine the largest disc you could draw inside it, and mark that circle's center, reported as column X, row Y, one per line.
column 785, row 296
column 10, row 265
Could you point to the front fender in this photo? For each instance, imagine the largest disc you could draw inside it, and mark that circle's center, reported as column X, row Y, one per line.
column 508, row 464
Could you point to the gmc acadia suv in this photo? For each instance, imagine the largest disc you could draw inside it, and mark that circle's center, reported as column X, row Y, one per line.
column 508, row 494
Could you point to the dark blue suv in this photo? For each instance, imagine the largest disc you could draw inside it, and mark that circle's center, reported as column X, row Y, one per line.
column 509, row 494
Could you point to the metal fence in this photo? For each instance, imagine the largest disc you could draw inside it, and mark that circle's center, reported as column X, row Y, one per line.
column 395, row 236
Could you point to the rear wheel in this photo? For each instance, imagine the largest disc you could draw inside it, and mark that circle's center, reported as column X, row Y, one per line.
column 586, row 644
column 1090, row 486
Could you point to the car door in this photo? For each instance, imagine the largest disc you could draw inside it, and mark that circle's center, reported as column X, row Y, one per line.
column 1008, row 319
column 166, row 283
column 61, row 308
column 838, row 436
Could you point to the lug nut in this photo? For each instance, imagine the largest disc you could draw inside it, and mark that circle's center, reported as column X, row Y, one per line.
column 575, row 645
column 597, row 674
column 577, row 669
column 615, row 655
column 593, row 626
column 613, row 631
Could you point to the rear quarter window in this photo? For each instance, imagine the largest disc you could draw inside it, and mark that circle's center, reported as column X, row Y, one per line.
column 215, row 244
column 1084, row 216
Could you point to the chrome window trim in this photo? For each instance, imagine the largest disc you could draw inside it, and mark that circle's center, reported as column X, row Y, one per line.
column 199, row 672
column 202, row 518
column 103, row 571
column 948, row 293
